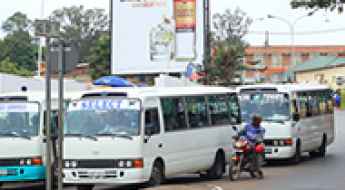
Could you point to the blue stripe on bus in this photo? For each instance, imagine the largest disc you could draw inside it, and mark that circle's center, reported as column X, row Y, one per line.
column 25, row 173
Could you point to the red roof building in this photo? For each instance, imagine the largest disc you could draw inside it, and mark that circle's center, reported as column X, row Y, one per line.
column 278, row 59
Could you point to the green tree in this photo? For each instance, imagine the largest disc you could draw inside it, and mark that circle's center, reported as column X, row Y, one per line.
column 6, row 66
column 331, row 5
column 82, row 27
column 228, row 46
column 19, row 49
column 18, row 22
column 99, row 57
column 17, row 45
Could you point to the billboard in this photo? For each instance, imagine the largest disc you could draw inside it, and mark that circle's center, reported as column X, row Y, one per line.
column 156, row 36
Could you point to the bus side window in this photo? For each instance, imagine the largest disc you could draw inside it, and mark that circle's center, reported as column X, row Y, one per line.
column 197, row 111
column 219, row 111
column 302, row 102
column 174, row 114
column 152, row 125
column 234, row 109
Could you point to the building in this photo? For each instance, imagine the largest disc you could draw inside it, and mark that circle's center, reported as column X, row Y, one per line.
column 277, row 60
column 329, row 70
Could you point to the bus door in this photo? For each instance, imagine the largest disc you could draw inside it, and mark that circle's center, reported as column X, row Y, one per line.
column 153, row 144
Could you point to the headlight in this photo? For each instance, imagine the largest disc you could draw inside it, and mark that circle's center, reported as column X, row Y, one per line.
column 281, row 143
column 28, row 162
column 121, row 164
column 275, row 143
column 67, row 164
column 135, row 163
column 129, row 164
column 74, row 164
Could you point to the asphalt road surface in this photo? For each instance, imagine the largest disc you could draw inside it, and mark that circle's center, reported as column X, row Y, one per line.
column 311, row 174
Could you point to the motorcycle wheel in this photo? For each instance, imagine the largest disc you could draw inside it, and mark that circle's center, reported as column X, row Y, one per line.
column 260, row 174
column 234, row 171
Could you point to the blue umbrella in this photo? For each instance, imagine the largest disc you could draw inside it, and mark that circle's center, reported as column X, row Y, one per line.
column 113, row 81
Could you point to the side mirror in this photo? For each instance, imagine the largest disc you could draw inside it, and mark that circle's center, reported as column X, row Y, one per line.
column 295, row 117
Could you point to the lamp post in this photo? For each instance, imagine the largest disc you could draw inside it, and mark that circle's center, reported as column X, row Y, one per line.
column 48, row 30
column 292, row 26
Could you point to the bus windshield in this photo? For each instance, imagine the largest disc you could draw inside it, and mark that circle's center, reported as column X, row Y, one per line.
column 270, row 106
column 100, row 117
column 19, row 119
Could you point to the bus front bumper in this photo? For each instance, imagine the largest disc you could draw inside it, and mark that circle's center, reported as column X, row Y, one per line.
column 279, row 153
column 104, row 176
column 22, row 173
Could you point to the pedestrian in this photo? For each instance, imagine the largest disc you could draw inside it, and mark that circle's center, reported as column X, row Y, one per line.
column 337, row 98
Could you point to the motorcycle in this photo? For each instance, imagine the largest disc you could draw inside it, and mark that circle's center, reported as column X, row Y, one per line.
column 243, row 159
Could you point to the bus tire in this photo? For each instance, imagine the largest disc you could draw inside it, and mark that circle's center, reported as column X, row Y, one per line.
column 296, row 159
column 322, row 150
column 157, row 174
column 85, row 187
column 218, row 168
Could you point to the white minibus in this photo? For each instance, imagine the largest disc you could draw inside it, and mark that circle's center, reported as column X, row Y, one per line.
column 144, row 135
column 297, row 118
column 22, row 135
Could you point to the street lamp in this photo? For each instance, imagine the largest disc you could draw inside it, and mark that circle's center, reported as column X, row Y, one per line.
column 49, row 30
column 292, row 31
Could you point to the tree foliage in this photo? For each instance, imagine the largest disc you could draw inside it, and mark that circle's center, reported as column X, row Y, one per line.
column 228, row 46
column 6, row 66
column 82, row 27
column 18, row 22
column 18, row 54
column 99, row 57
column 19, row 49
column 331, row 5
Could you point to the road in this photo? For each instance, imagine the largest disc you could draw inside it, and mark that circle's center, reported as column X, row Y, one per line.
column 311, row 174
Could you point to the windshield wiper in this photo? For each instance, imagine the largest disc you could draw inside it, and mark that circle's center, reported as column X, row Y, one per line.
column 115, row 135
column 15, row 134
column 82, row 136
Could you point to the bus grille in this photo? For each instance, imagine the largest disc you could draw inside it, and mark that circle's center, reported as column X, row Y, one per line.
column 9, row 162
column 96, row 164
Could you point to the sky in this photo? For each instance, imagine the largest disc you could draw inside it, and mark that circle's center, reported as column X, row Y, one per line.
column 323, row 28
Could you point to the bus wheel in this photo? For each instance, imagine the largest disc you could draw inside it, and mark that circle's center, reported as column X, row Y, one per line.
column 217, row 170
column 296, row 159
column 85, row 187
column 323, row 148
column 157, row 175
column 321, row 151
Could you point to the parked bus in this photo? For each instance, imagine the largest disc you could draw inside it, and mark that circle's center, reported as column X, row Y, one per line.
column 144, row 135
column 297, row 118
column 22, row 135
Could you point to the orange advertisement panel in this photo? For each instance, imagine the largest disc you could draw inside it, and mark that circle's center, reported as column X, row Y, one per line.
column 185, row 15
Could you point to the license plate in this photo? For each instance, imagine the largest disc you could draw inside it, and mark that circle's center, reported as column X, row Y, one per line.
column 3, row 172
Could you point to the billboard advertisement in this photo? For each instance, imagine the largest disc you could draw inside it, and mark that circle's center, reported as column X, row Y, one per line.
column 156, row 36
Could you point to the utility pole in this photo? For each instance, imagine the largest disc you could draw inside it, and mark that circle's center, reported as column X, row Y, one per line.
column 49, row 30
column 49, row 173
column 207, row 45
column 61, row 69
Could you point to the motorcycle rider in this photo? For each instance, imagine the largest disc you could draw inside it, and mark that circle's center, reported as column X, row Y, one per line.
column 254, row 132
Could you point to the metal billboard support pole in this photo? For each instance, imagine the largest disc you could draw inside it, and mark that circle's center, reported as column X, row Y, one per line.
column 61, row 113
column 49, row 144
column 207, row 47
